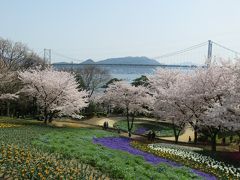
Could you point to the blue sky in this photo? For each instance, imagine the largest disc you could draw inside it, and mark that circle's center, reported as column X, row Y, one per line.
column 100, row 29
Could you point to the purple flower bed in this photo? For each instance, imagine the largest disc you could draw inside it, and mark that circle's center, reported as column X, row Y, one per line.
column 124, row 145
column 141, row 130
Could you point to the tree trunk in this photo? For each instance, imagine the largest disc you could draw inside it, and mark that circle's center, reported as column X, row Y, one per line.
column 195, row 136
column 176, row 139
column 176, row 135
column 45, row 120
column 132, row 123
column 51, row 118
column 214, row 143
column 45, row 116
column 128, row 123
column 8, row 108
column 130, row 126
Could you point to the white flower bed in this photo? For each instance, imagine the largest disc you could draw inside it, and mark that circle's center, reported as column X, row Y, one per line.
column 175, row 146
column 189, row 154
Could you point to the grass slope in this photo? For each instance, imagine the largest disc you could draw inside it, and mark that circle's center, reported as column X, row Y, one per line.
column 77, row 144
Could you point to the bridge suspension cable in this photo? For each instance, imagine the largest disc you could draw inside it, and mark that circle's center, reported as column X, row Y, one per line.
column 64, row 56
column 182, row 51
column 226, row 48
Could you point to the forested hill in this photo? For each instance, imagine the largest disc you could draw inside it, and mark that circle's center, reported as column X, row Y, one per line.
column 130, row 60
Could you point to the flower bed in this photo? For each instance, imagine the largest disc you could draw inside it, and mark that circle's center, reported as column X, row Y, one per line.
column 24, row 163
column 78, row 144
column 7, row 125
column 124, row 145
column 192, row 159
column 174, row 146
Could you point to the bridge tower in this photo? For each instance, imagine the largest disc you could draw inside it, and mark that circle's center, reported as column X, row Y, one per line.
column 209, row 55
column 47, row 56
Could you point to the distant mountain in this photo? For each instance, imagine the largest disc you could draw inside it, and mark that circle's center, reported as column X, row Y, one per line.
column 121, row 60
column 88, row 61
column 130, row 60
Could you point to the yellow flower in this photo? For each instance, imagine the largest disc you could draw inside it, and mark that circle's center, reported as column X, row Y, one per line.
column 47, row 172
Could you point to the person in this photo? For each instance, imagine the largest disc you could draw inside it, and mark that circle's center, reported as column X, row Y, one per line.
column 189, row 139
column 107, row 125
column 223, row 140
column 149, row 135
column 153, row 135
column 104, row 125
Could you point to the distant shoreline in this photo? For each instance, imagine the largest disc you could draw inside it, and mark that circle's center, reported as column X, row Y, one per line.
column 150, row 65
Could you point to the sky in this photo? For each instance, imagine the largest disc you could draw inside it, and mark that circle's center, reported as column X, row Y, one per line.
column 100, row 29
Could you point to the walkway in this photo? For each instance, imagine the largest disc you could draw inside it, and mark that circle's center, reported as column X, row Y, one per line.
column 70, row 123
column 99, row 121
column 184, row 137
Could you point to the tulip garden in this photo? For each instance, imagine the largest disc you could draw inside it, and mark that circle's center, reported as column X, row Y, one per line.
column 31, row 150
column 191, row 157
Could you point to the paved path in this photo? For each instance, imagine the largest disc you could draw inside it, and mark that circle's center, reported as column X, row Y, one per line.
column 70, row 124
column 99, row 121
column 184, row 137
column 111, row 120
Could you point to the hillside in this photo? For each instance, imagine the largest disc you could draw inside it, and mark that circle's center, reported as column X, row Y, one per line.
column 121, row 60
column 88, row 61
column 129, row 60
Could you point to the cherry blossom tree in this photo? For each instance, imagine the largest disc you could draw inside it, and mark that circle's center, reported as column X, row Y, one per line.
column 56, row 92
column 193, row 97
column 169, row 88
column 216, row 119
column 5, row 79
column 133, row 100
column 196, row 107
column 232, row 102
column 214, row 86
column 7, row 83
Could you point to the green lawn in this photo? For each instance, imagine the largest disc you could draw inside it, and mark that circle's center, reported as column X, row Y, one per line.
column 161, row 129
column 64, row 146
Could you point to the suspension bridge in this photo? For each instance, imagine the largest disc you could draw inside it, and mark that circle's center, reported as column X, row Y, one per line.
column 202, row 54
